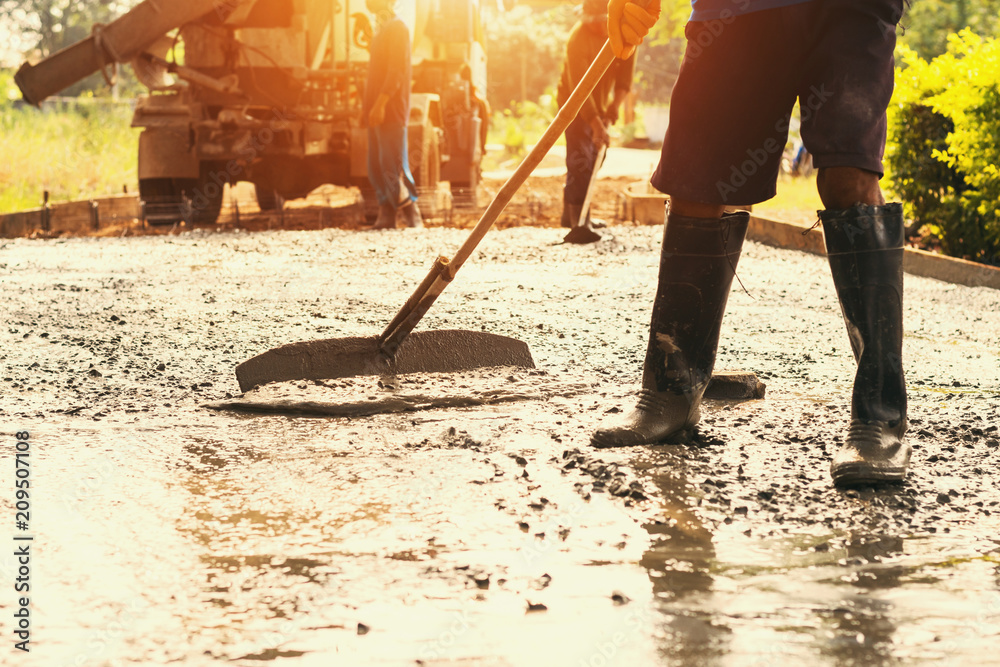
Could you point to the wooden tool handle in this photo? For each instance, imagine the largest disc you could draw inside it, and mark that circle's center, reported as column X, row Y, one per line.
column 585, row 209
column 435, row 282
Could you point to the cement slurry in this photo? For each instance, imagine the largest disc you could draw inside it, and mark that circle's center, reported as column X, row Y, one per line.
column 488, row 534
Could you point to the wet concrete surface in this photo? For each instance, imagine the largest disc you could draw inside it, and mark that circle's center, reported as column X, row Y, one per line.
column 486, row 534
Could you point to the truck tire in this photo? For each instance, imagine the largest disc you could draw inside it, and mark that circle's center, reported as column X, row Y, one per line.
column 205, row 199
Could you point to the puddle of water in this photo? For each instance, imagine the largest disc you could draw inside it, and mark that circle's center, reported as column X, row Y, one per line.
column 298, row 540
column 726, row 596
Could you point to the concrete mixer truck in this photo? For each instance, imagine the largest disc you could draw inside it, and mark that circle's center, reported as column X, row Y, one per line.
column 270, row 92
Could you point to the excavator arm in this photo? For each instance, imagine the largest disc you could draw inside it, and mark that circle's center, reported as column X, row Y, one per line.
column 118, row 42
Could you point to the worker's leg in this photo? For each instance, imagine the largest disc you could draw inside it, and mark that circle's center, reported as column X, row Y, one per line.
column 408, row 208
column 697, row 264
column 402, row 154
column 375, row 172
column 376, row 176
column 389, row 147
column 693, row 209
column 723, row 147
column 865, row 249
column 581, row 160
column 581, row 155
column 864, row 240
column 394, row 164
column 844, row 126
column 844, row 187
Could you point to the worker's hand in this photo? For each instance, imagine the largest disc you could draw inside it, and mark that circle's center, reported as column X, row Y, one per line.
column 611, row 117
column 628, row 23
column 377, row 115
column 599, row 132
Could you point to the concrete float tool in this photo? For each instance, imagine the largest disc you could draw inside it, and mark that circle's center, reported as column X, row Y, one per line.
column 396, row 350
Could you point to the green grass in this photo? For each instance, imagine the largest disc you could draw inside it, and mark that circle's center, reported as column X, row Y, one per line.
column 89, row 150
column 85, row 151
column 521, row 126
column 796, row 201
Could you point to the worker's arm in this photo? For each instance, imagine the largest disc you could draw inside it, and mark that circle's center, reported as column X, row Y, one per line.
column 589, row 112
column 377, row 114
column 614, row 109
column 624, row 73
column 578, row 61
column 397, row 45
column 629, row 22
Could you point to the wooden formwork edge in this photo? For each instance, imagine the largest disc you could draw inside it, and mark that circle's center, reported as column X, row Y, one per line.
column 70, row 217
column 915, row 262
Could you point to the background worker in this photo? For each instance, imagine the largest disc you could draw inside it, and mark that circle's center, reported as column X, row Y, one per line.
column 480, row 103
column 386, row 110
column 743, row 70
column 589, row 131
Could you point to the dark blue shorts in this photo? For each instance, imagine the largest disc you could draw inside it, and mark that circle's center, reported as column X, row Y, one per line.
column 738, row 83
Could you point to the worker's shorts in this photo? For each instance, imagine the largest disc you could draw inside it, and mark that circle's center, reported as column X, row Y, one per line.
column 741, row 75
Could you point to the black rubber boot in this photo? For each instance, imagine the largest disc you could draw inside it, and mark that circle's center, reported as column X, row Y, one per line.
column 411, row 215
column 386, row 217
column 865, row 248
column 580, row 231
column 697, row 265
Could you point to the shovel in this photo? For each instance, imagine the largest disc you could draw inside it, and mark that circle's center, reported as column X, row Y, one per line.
column 585, row 209
column 397, row 350
column 582, row 232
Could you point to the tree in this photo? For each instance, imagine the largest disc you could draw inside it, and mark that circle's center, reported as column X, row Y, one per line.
column 658, row 60
column 525, row 50
column 928, row 23
column 942, row 153
column 46, row 26
column 50, row 25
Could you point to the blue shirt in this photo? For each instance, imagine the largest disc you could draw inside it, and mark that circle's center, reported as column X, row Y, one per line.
column 707, row 10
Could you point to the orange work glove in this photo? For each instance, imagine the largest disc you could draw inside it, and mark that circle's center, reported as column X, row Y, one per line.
column 629, row 22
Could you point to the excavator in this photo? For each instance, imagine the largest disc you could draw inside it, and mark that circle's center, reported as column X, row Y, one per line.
column 270, row 92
